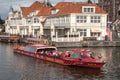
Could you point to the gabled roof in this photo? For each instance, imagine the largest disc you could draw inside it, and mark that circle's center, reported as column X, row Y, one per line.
column 41, row 7
column 46, row 11
column 70, row 7
column 25, row 11
column 63, row 8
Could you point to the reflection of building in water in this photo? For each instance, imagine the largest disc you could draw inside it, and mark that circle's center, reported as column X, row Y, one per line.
column 116, row 56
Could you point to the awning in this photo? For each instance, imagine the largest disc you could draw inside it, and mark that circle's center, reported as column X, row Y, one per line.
column 96, row 30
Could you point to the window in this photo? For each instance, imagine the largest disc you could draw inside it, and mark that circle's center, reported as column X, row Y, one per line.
column 82, row 55
column 83, row 32
column 95, row 19
column 29, row 20
column 62, row 20
column 81, row 19
column 53, row 11
column 75, row 55
column 67, row 20
column 36, row 20
column 29, row 49
column 88, row 10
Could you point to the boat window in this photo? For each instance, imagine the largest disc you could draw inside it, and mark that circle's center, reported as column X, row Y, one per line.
column 39, row 50
column 91, row 54
column 51, row 49
column 29, row 49
column 75, row 55
column 46, row 49
column 82, row 55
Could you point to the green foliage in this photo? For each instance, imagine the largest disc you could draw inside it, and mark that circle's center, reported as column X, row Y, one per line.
column 1, row 21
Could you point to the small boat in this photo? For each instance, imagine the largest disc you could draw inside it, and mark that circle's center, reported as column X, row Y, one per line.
column 79, row 57
column 33, row 41
column 9, row 38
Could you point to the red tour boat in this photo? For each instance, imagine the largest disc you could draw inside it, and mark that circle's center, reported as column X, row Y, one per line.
column 82, row 57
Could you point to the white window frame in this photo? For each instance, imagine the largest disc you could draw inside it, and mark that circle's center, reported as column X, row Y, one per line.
column 88, row 9
column 83, row 32
column 95, row 19
column 81, row 19
column 36, row 20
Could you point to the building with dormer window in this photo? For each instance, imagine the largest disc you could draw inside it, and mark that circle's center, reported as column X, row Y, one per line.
column 79, row 19
column 28, row 21
column 66, row 19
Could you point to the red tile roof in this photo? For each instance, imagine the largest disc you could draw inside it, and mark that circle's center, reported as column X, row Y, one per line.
column 70, row 7
column 43, row 9
column 46, row 11
column 64, row 8
column 25, row 11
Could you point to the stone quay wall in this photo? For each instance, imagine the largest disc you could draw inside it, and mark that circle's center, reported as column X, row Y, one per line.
column 87, row 44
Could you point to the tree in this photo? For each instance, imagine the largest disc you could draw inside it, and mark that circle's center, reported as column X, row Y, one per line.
column 1, row 21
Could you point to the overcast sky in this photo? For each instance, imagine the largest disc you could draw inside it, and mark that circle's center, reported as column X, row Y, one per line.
column 5, row 4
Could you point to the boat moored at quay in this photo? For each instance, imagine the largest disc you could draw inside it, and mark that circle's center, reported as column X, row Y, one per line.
column 9, row 38
column 79, row 57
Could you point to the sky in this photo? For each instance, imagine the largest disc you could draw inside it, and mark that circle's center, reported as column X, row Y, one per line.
column 5, row 4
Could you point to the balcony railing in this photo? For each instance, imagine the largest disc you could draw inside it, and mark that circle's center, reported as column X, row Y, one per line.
column 67, row 39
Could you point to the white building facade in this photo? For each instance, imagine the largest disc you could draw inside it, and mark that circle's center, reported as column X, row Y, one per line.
column 28, row 21
column 65, row 21
column 85, row 21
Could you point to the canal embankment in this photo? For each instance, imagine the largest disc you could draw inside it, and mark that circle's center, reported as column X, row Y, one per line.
column 73, row 44
column 87, row 44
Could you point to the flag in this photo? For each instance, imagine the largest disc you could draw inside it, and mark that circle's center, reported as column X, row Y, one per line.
column 109, row 36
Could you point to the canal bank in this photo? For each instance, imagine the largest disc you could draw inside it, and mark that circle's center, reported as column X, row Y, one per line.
column 87, row 44
column 63, row 44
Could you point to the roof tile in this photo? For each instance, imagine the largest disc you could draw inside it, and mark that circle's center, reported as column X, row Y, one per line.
column 70, row 7
column 64, row 8
column 43, row 9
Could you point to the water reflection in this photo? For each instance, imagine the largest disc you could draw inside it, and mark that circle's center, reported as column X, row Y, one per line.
column 45, row 70
column 20, row 67
column 112, row 67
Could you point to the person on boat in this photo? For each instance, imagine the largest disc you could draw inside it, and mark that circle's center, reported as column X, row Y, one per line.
column 39, row 51
column 91, row 54
column 53, row 53
column 45, row 41
column 67, row 54
column 62, row 54
column 82, row 55
column 42, row 51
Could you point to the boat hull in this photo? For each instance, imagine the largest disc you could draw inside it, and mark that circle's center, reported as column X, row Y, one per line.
column 62, row 61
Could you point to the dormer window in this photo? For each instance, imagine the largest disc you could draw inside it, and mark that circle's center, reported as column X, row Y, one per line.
column 36, row 20
column 54, row 11
column 88, row 9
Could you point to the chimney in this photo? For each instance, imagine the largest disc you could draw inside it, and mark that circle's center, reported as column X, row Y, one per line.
column 89, row 1
column 47, row 3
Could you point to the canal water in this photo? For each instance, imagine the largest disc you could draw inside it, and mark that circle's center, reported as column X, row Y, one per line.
column 20, row 67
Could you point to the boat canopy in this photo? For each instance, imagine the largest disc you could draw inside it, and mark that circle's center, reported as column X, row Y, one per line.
column 29, row 49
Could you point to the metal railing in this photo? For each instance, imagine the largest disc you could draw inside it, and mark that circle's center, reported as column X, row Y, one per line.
column 67, row 39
